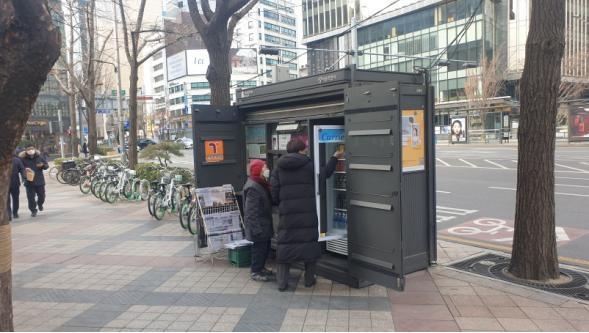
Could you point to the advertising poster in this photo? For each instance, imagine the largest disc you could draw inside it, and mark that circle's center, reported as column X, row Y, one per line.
column 176, row 65
column 283, row 140
column 579, row 125
column 244, row 61
column 412, row 140
column 458, row 130
column 214, row 151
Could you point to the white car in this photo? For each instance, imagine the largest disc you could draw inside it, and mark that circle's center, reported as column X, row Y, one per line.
column 186, row 142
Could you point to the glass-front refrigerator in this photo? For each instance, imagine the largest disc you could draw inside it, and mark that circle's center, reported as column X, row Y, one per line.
column 331, row 203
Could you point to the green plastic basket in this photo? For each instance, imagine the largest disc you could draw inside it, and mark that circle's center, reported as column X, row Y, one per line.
column 241, row 256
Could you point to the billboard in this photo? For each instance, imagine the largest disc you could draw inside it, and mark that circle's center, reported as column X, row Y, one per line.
column 176, row 65
column 413, row 140
column 197, row 61
column 458, row 130
column 244, row 61
column 579, row 124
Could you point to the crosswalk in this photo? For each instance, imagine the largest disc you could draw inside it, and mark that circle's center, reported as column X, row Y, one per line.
column 508, row 164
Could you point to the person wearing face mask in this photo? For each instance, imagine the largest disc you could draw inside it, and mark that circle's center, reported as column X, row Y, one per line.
column 257, row 215
column 18, row 171
column 34, row 164
column 293, row 189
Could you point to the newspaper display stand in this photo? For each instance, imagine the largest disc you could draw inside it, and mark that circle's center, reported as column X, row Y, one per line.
column 220, row 216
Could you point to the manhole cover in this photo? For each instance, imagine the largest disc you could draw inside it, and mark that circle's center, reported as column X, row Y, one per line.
column 495, row 266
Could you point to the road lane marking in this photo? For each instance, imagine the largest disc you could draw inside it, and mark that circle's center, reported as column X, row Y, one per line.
column 449, row 213
column 497, row 164
column 575, row 178
column 568, row 167
column 466, row 162
column 561, row 235
column 559, row 193
column 444, row 163
column 582, row 186
column 514, row 161
column 584, row 163
column 444, row 192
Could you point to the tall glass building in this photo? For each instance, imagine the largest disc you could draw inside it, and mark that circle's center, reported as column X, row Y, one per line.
column 467, row 33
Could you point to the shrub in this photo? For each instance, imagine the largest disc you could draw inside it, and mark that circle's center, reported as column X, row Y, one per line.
column 103, row 150
column 162, row 152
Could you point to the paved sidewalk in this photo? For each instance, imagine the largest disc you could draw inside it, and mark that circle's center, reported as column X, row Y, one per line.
column 84, row 265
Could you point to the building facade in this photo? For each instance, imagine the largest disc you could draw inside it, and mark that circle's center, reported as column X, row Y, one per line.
column 179, row 79
column 467, row 37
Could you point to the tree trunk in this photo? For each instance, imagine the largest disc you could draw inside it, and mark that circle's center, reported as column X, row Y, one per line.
column 30, row 45
column 91, row 91
column 73, row 123
column 133, row 78
column 534, row 253
column 219, row 70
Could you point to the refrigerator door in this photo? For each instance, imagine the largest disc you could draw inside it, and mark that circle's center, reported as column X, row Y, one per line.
column 373, row 165
column 328, row 139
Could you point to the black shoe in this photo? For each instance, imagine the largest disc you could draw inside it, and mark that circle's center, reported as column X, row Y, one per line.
column 15, row 215
column 34, row 213
column 41, row 207
column 311, row 284
column 282, row 289
column 267, row 272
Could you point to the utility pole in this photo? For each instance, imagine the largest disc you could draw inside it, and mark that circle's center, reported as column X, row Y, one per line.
column 120, row 103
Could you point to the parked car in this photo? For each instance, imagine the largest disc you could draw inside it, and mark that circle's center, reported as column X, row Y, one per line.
column 186, row 142
column 142, row 143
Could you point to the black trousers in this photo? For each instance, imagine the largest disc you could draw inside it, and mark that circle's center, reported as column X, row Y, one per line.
column 260, row 252
column 13, row 193
column 283, row 273
column 39, row 191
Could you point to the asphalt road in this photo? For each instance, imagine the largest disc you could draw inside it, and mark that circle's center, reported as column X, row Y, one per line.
column 476, row 197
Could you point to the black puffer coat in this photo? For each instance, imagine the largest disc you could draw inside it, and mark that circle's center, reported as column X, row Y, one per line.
column 31, row 163
column 257, row 212
column 293, row 189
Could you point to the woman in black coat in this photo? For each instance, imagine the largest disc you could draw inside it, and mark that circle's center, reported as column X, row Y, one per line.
column 257, row 215
column 293, row 189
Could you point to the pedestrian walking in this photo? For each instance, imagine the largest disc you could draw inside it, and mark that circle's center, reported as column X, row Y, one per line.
column 293, row 189
column 34, row 165
column 258, row 218
column 18, row 171
column 85, row 149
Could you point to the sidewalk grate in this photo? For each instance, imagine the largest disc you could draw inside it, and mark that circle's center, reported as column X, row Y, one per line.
column 495, row 266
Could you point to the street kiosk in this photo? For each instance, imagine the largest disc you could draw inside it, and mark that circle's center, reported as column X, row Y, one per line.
column 377, row 211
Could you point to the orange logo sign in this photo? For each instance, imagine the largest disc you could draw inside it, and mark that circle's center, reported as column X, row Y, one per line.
column 214, row 151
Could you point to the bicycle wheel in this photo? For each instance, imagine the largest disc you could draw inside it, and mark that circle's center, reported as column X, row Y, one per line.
column 175, row 201
column 143, row 189
column 184, row 214
column 150, row 202
column 194, row 222
column 159, row 208
column 128, row 190
column 102, row 191
column 95, row 186
column 85, row 184
column 111, row 193
column 59, row 177
column 74, row 177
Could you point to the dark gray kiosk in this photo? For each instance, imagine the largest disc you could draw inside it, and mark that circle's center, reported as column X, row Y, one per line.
column 377, row 212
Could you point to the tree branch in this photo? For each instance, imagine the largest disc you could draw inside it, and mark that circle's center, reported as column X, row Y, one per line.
column 125, row 32
column 237, row 16
column 206, row 9
column 197, row 19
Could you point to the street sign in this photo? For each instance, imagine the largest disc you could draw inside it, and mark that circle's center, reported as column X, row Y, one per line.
column 126, row 124
column 85, row 130
column 103, row 111
column 114, row 92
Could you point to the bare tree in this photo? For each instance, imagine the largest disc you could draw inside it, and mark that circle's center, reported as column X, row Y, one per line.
column 216, row 29
column 135, row 43
column 30, row 45
column 534, row 254
column 480, row 88
column 572, row 85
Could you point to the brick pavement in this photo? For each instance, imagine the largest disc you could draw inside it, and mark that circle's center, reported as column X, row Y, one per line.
column 84, row 265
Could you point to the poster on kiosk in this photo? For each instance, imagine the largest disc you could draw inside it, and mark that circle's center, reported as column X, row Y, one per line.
column 327, row 139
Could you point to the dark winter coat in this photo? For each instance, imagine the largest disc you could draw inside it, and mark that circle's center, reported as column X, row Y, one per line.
column 18, row 170
column 293, row 189
column 31, row 163
column 257, row 212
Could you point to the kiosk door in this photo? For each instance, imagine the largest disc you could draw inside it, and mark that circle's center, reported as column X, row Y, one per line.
column 219, row 157
column 373, row 164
